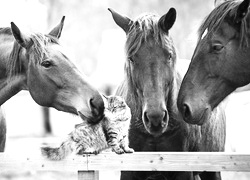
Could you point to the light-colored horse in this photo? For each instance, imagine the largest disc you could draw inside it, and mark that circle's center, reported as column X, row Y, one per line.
column 37, row 63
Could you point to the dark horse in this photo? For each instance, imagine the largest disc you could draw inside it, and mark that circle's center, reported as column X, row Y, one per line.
column 38, row 63
column 150, row 88
column 220, row 63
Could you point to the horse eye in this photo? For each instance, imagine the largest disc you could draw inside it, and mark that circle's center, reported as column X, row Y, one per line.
column 217, row 47
column 169, row 56
column 131, row 59
column 46, row 64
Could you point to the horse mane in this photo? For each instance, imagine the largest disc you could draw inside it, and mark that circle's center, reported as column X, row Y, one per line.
column 213, row 21
column 5, row 30
column 144, row 26
column 36, row 52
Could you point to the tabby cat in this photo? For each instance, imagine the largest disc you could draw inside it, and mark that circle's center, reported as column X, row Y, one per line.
column 112, row 132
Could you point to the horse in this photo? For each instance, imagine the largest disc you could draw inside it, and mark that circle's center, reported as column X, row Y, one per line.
column 2, row 131
column 220, row 62
column 150, row 88
column 37, row 62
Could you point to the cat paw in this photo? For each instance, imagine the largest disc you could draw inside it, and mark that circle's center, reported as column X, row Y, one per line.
column 118, row 150
column 128, row 150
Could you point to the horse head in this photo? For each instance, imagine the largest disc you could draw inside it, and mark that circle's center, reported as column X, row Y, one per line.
column 220, row 62
column 52, row 79
column 150, row 67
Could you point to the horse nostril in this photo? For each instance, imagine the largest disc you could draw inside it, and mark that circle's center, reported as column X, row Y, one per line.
column 97, row 107
column 146, row 118
column 165, row 118
column 93, row 107
column 186, row 112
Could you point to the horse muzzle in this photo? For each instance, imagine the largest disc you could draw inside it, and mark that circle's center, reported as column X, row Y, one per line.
column 194, row 112
column 96, row 105
column 156, row 121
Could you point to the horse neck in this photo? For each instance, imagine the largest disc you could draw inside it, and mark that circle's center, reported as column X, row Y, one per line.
column 8, row 86
column 11, row 88
column 173, row 94
column 128, row 93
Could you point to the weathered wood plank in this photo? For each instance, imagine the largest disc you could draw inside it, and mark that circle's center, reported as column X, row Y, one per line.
column 170, row 161
column 37, row 162
column 88, row 175
column 143, row 161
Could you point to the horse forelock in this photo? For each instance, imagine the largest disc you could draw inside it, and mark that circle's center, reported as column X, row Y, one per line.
column 40, row 43
column 39, row 47
column 219, row 14
column 38, row 51
column 143, row 27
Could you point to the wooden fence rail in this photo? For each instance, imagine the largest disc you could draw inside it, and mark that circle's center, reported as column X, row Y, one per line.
column 88, row 166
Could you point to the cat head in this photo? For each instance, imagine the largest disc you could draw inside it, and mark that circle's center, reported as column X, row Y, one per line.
column 114, row 103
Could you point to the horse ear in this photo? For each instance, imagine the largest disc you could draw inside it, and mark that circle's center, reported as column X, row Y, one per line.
column 56, row 32
column 23, row 40
column 242, row 10
column 218, row 2
column 122, row 21
column 167, row 21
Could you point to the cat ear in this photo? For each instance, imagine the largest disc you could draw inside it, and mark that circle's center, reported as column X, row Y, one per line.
column 106, row 97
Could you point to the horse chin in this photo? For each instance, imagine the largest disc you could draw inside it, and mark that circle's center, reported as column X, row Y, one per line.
column 201, row 118
column 90, row 118
column 158, row 130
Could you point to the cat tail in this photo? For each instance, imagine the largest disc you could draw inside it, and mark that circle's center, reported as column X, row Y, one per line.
column 58, row 153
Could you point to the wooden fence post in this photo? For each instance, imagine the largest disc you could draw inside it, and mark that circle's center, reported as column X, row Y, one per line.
column 88, row 175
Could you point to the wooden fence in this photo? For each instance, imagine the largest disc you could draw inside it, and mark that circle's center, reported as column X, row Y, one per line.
column 88, row 166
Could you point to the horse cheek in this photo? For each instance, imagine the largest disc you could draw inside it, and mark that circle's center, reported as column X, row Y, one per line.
column 39, row 87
